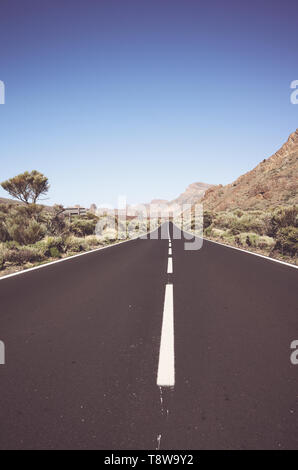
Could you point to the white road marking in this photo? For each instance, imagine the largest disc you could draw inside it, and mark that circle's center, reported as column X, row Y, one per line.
column 68, row 258
column 255, row 254
column 50, row 263
column 268, row 258
column 166, row 364
column 170, row 266
column 170, row 251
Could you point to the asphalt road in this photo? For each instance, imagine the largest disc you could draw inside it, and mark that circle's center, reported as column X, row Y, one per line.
column 82, row 341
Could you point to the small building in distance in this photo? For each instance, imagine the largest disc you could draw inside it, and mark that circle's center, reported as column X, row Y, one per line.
column 75, row 210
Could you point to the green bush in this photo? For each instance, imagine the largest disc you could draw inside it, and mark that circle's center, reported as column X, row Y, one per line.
column 54, row 252
column 208, row 219
column 281, row 218
column 56, row 244
column 22, row 255
column 4, row 235
column 76, row 244
column 82, row 227
column 287, row 241
column 251, row 240
column 265, row 242
column 26, row 234
column 92, row 240
column 2, row 261
column 208, row 231
column 56, row 222
column 11, row 244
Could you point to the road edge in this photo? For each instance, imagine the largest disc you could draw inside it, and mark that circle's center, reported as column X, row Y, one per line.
column 50, row 263
column 268, row 258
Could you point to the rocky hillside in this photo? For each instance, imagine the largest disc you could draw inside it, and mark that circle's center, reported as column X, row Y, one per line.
column 5, row 200
column 193, row 194
column 271, row 183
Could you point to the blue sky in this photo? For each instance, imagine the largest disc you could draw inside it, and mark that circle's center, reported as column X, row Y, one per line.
column 143, row 97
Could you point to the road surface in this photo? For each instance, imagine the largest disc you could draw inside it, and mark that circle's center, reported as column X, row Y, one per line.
column 84, row 354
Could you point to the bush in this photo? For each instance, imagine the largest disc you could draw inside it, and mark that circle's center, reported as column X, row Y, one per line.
column 208, row 231
column 50, row 245
column 11, row 244
column 76, row 244
column 217, row 232
column 4, row 235
column 26, row 234
column 2, row 259
column 56, row 222
column 265, row 242
column 250, row 240
column 287, row 241
column 23, row 255
column 92, row 240
column 82, row 227
column 54, row 252
column 281, row 218
column 110, row 235
column 208, row 219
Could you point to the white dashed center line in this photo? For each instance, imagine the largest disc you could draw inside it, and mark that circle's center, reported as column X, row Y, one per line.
column 170, row 266
column 166, row 364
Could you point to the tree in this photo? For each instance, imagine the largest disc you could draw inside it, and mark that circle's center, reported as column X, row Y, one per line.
column 27, row 187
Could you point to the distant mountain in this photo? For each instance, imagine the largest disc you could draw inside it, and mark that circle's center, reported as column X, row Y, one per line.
column 271, row 183
column 159, row 201
column 193, row 194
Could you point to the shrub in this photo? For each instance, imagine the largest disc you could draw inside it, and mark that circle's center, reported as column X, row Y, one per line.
column 208, row 219
column 25, row 224
column 91, row 216
column 251, row 239
column 92, row 240
column 287, row 241
column 265, row 242
column 76, row 244
column 281, row 218
column 22, row 255
column 54, row 252
column 247, row 239
column 56, row 222
column 216, row 232
column 208, row 231
column 45, row 246
column 4, row 235
column 56, row 242
column 11, row 244
column 82, row 227
column 110, row 235
column 2, row 256
column 238, row 213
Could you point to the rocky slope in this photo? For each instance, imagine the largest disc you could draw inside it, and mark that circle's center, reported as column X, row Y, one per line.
column 271, row 183
column 193, row 194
